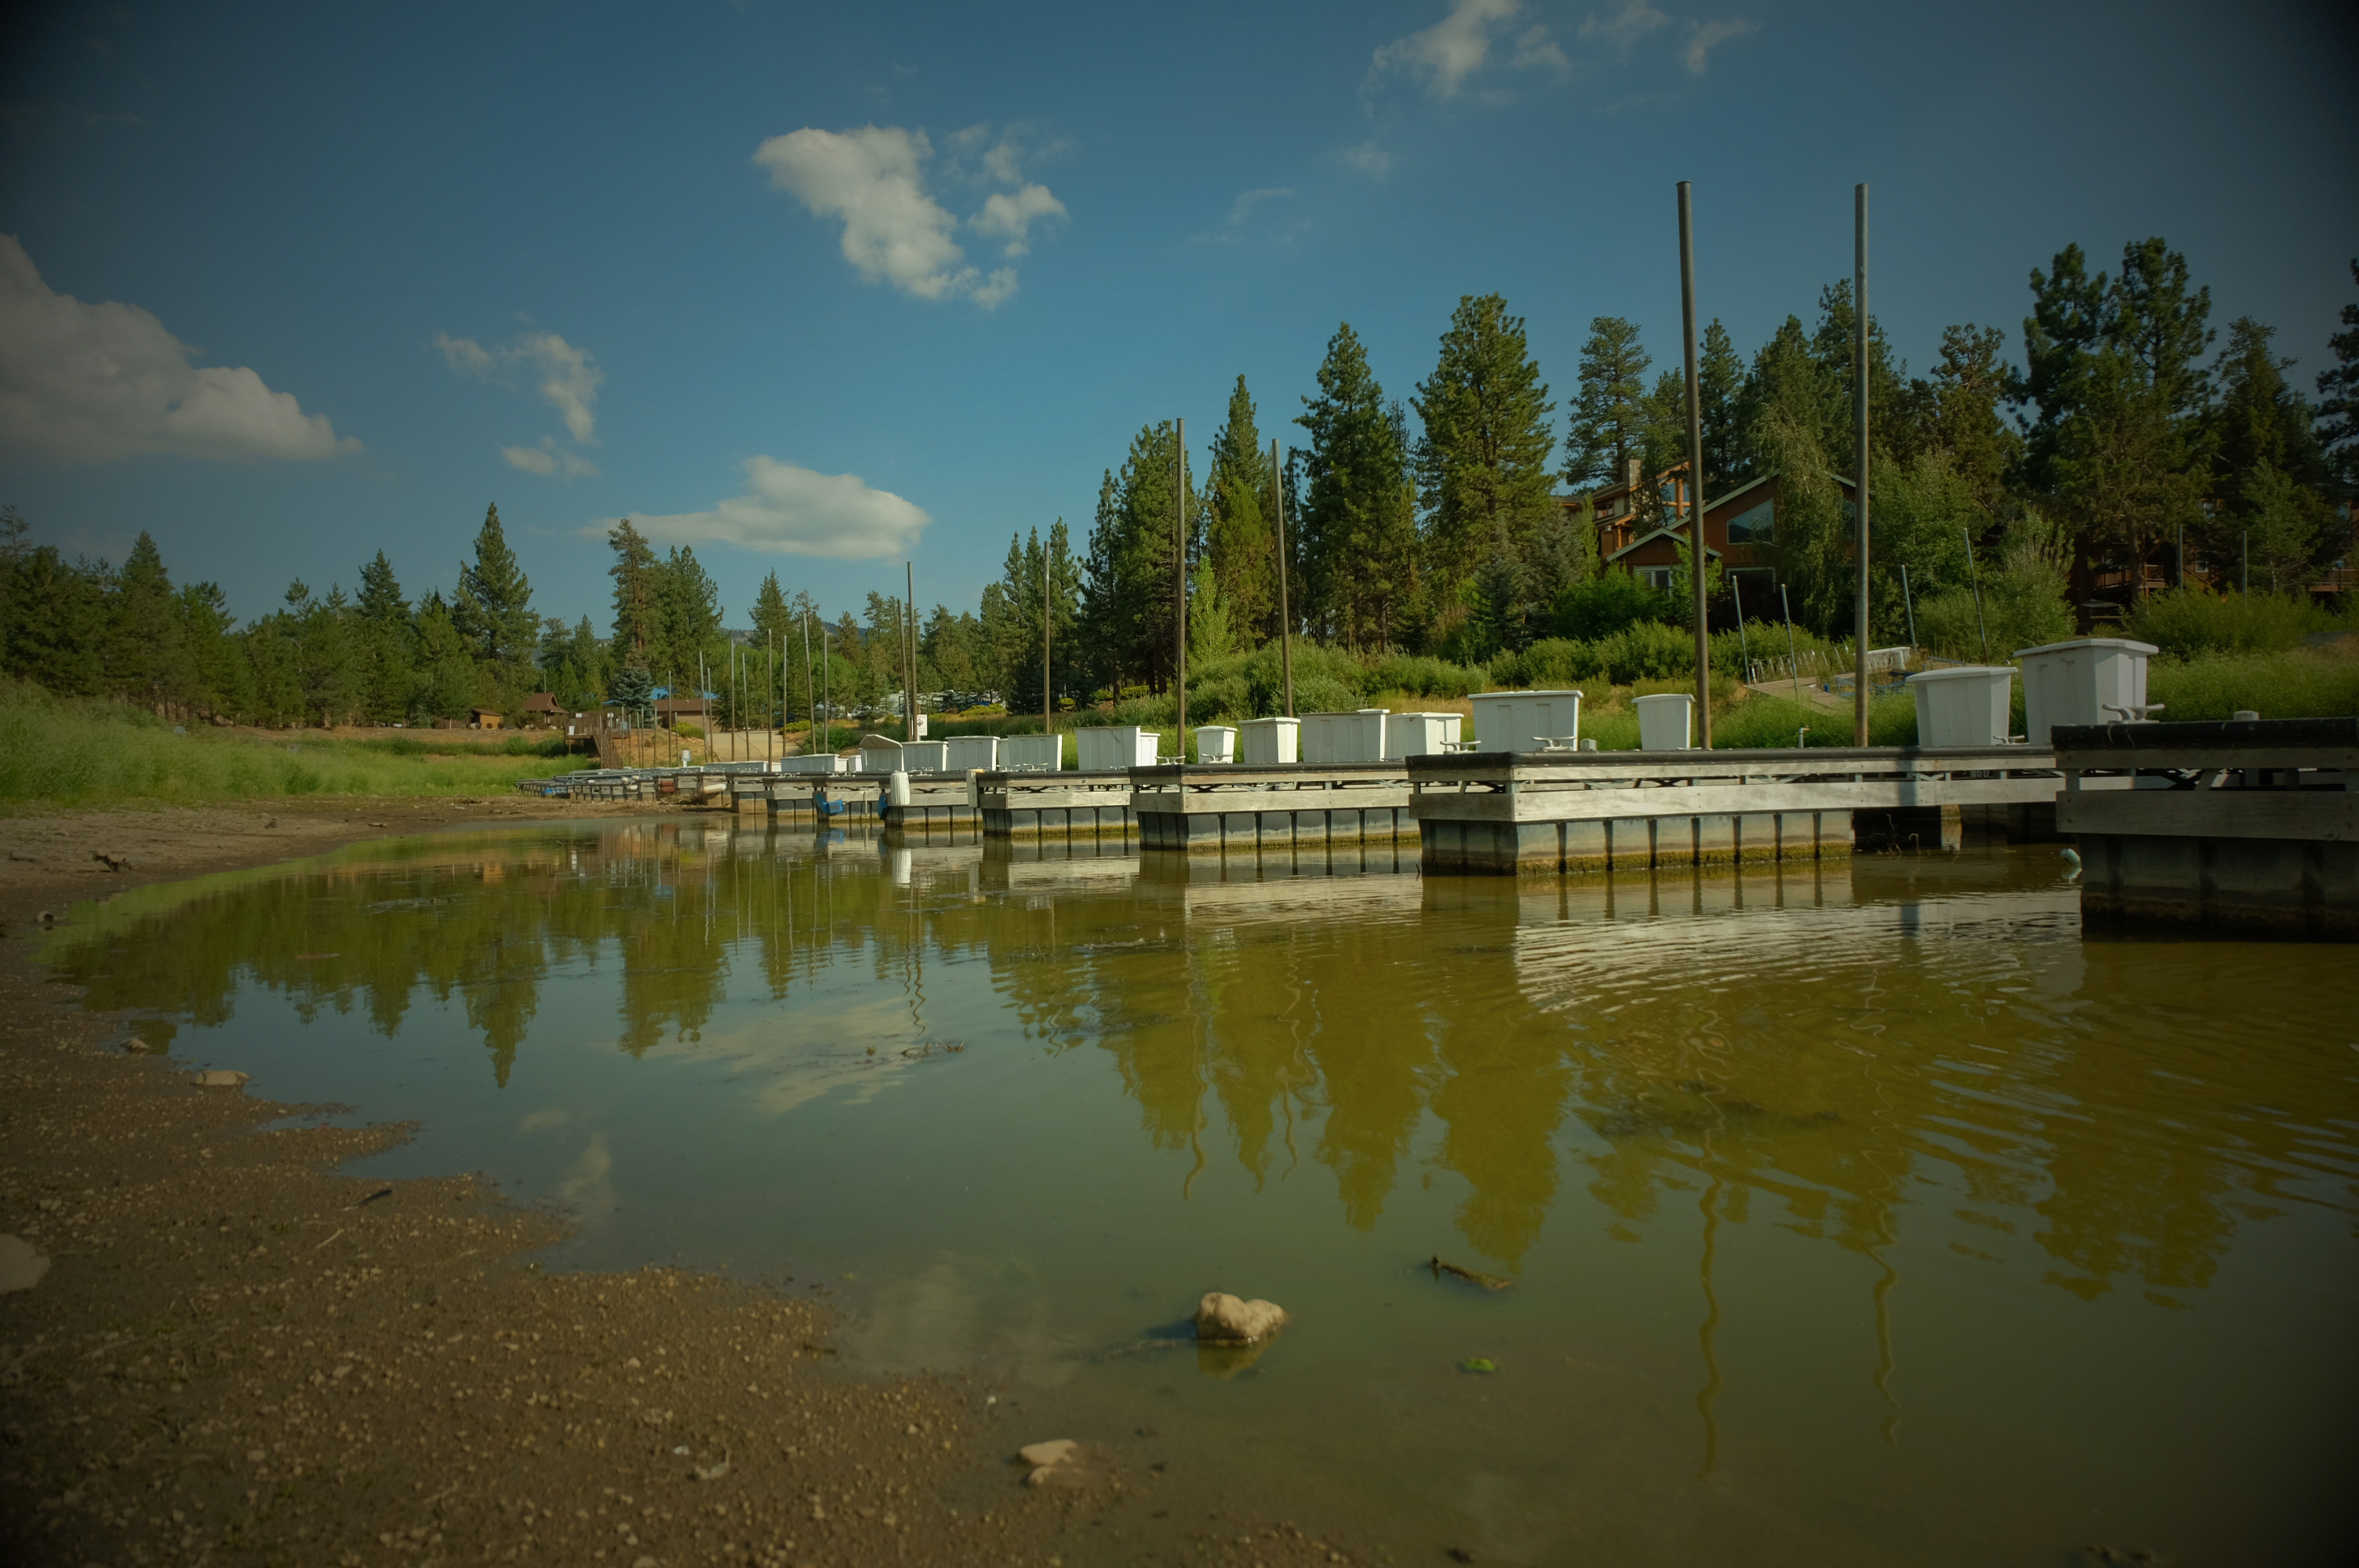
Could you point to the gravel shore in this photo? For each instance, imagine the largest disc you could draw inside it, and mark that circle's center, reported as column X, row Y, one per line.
column 235, row 1355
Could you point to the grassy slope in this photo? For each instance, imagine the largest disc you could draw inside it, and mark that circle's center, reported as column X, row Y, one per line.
column 95, row 753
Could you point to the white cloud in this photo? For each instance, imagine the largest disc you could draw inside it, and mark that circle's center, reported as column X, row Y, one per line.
column 792, row 510
column 1446, row 55
column 1705, row 37
column 874, row 179
column 1010, row 217
column 1367, row 158
column 569, row 379
column 549, row 458
column 1241, row 212
column 1626, row 26
column 89, row 383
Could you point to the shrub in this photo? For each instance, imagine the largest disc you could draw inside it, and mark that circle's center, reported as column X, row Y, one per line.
column 2187, row 622
column 1646, row 649
column 2301, row 684
column 1605, row 605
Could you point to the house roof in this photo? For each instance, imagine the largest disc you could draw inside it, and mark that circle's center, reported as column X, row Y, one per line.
column 1710, row 554
column 541, row 702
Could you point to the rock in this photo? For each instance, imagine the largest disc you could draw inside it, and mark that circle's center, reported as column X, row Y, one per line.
column 1041, row 1455
column 1223, row 1319
column 114, row 860
column 21, row 1268
column 220, row 1078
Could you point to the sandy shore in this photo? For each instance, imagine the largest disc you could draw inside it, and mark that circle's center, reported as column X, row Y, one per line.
column 235, row 1355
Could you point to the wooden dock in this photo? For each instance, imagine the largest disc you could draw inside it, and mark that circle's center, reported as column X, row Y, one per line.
column 1226, row 808
column 1494, row 813
column 2250, row 824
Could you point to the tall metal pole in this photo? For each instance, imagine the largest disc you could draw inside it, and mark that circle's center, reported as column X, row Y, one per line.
column 1048, row 630
column 1974, row 576
column 1179, row 547
column 1908, row 603
column 1285, row 616
column 1698, row 554
column 809, row 707
column 909, row 654
column 1793, row 664
column 827, row 689
column 1859, row 403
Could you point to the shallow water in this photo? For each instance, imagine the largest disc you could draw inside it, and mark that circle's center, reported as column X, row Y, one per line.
column 1859, row 1213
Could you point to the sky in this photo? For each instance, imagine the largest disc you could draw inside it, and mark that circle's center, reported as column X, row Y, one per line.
column 820, row 290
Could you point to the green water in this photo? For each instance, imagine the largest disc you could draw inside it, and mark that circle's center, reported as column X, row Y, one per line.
column 1865, row 1214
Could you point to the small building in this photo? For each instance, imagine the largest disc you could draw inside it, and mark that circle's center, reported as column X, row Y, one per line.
column 691, row 708
column 541, row 711
column 1740, row 530
column 485, row 719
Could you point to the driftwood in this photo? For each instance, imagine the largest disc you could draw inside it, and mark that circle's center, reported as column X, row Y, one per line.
column 1488, row 1281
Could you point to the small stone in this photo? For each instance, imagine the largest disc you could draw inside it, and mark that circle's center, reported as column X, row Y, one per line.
column 21, row 1266
column 1223, row 1319
column 220, row 1078
column 1042, row 1455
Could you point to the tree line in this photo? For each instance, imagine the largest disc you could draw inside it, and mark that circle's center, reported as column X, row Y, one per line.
column 2120, row 437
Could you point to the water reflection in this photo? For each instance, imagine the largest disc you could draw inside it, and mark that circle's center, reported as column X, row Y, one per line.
column 1778, row 1156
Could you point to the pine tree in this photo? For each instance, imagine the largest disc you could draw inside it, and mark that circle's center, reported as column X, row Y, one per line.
column 1358, row 518
column 141, row 651
column 493, row 610
column 1608, row 415
column 1240, row 539
column 2269, row 472
column 2338, row 393
column 387, row 638
column 444, row 677
column 1963, row 423
column 1720, row 377
column 687, row 617
column 637, row 620
column 1482, row 463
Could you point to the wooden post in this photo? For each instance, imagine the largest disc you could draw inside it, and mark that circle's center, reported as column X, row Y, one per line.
column 1699, row 554
column 1179, row 544
column 1285, row 616
column 1859, row 403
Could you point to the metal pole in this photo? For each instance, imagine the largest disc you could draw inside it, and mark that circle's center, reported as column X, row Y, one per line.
column 2179, row 536
column 1048, row 630
column 1700, row 553
column 1179, row 543
column 909, row 654
column 1284, row 615
column 826, row 689
column 810, row 707
column 1793, row 664
column 1974, row 576
column 2245, row 572
column 1744, row 652
column 1909, row 602
column 1859, row 400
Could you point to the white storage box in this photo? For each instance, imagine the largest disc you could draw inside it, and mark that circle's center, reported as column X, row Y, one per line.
column 819, row 762
column 1519, row 720
column 880, row 754
column 1666, row 721
column 1031, row 754
column 2078, row 682
column 1106, row 749
column 1356, row 737
column 1967, row 706
column 964, row 752
column 925, row 756
column 1216, row 743
column 1270, row 743
column 1420, row 734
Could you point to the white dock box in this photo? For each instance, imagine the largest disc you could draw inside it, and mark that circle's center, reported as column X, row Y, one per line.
column 964, row 752
column 1356, row 737
column 1519, row 720
column 818, row 762
column 2077, row 682
column 1421, row 734
column 1270, row 743
column 1666, row 721
column 1216, row 743
column 1031, row 754
column 880, row 754
column 1111, row 748
column 1971, row 705
column 925, row 756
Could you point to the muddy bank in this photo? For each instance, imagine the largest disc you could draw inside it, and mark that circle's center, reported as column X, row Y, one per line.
column 236, row 1354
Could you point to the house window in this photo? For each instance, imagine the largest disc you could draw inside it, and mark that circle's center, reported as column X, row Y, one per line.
column 1655, row 576
column 1757, row 525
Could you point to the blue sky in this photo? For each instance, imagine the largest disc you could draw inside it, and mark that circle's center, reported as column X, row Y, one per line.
column 818, row 288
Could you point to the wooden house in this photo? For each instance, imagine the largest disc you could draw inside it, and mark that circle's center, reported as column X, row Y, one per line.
column 1740, row 530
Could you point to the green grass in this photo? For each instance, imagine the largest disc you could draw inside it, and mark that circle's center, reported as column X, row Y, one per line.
column 77, row 753
column 2187, row 623
column 2300, row 684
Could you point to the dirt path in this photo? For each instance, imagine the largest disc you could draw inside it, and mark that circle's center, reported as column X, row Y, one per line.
column 236, row 1355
